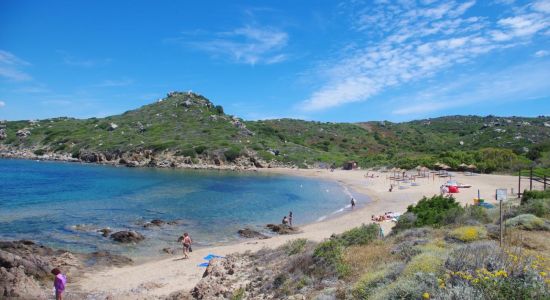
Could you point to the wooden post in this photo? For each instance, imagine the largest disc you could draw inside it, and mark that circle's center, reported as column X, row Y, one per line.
column 519, row 184
column 501, row 233
column 544, row 180
column 531, row 179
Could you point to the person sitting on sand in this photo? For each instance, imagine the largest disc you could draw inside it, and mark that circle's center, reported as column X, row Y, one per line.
column 59, row 283
column 186, row 245
column 285, row 220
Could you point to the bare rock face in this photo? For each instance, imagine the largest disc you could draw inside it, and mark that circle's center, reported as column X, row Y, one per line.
column 23, row 133
column 251, row 234
column 3, row 134
column 215, row 278
column 127, row 236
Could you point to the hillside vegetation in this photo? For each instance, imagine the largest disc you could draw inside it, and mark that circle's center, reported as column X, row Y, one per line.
column 438, row 250
column 186, row 128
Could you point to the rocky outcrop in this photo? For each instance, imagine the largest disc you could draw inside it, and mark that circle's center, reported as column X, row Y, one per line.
column 216, row 277
column 282, row 229
column 23, row 133
column 3, row 134
column 25, row 267
column 251, row 234
column 129, row 236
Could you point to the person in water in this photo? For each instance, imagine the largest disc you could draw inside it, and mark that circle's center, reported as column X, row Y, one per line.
column 290, row 218
column 59, row 283
column 285, row 220
column 352, row 203
column 186, row 245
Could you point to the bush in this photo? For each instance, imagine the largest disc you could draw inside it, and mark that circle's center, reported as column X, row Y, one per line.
column 295, row 246
column 360, row 235
column 428, row 262
column 232, row 153
column 366, row 287
column 474, row 214
column 330, row 253
column 200, row 149
column 538, row 207
column 218, row 109
column 528, row 222
column 528, row 195
column 436, row 211
column 469, row 233
column 39, row 152
column 418, row 286
column 188, row 152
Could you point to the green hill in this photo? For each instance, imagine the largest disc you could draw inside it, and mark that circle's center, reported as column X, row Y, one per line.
column 186, row 128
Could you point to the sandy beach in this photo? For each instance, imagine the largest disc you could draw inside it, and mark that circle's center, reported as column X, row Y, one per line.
column 162, row 277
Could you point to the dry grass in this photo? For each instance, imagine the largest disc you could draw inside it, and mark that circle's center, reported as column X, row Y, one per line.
column 368, row 258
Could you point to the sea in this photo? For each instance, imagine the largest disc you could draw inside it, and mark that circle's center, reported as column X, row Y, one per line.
column 63, row 205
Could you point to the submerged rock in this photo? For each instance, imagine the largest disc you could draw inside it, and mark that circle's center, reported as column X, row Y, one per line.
column 105, row 232
column 127, row 236
column 249, row 233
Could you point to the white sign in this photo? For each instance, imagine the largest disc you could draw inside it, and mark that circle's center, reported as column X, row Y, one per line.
column 502, row 194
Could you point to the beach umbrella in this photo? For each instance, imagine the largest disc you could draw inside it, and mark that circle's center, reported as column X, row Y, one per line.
column 445, row 167
column 463, row 166
column 472, row 167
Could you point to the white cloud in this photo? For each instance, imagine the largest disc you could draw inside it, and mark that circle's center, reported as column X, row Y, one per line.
column 248, row 45
column 10, row 67
column 73, row 61
column 409, row 42
column 542, row 6
column 512, row 84
column 2, row 104
column 541, row 53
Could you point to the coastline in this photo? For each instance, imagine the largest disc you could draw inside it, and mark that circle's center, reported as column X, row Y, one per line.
column 161, row 277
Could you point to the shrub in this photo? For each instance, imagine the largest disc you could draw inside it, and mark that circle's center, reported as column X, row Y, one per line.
column 425, row 263
column 188, row 152
column 469, row 233
column 39, row 152
column 361, row 235
column 371, row 281
column 330, row 254
column 238, row 294
column 528, row 195
column 476, row 255
column 200, row 149
column 218, row 109
column 418, row 286
column 295, row 246
column 528, row 222
column 435, row 211
column 538, row 207
column 474, row 214
column 232, row 153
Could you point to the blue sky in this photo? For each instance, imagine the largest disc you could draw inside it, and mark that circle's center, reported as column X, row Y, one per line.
column 315, row 60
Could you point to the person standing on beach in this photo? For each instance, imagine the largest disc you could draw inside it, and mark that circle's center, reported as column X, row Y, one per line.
column 186, row 245
column 352, row 203
column 290, row 218
column 59, row 283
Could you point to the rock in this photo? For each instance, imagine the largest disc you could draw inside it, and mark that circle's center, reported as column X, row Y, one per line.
column 105, row 231
column 169, row 250
column 112, row 126
column 23, row 133
column 104, row 258
column 282, row 229
column 3, row 134
column 249, row 233
column 129, row 236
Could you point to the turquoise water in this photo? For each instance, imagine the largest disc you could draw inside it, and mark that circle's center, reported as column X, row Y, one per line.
column 44, row 201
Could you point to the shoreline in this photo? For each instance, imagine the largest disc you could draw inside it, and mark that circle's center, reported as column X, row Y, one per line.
column 161, row 277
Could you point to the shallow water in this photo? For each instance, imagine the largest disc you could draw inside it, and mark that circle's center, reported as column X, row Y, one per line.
column 44, row 201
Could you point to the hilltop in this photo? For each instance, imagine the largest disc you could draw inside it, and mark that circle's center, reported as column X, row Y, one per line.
column 188, row 130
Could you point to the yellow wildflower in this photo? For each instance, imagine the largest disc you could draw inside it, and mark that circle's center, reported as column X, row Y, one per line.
column 426, row 296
